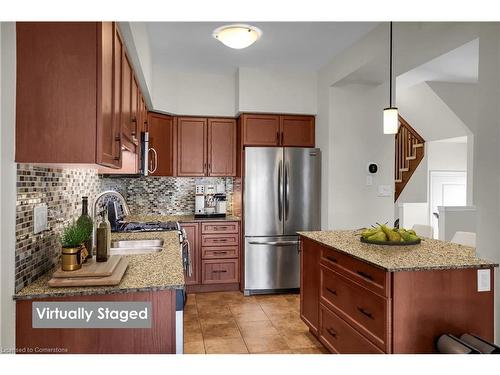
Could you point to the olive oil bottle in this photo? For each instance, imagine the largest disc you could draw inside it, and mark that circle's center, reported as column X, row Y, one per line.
column 103, row 238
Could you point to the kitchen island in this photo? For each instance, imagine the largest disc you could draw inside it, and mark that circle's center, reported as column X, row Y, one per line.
column 363, row 298
column 156, row 277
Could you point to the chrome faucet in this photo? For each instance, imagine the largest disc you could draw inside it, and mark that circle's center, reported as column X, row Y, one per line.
column 126, row 210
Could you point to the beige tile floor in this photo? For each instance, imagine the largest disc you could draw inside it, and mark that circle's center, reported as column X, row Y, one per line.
column 230, row 323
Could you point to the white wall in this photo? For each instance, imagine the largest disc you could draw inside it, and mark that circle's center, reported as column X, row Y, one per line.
column 7, row 183
column 265, row 90
column 487, row 152
column 454, row 219
column 447, row 156
column 428, row 114
column 416, row 189
column 194, row 93
column 356, row 138
column 413, row 213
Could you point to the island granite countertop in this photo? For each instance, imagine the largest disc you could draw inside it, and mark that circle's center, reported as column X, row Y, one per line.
column 428, row 255
column 145, row 272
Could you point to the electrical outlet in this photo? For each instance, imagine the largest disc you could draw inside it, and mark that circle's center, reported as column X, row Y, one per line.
column 483, row 280
column 385, row 191
column 40, row 214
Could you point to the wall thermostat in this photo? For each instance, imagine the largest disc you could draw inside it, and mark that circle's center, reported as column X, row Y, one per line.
column 372, row 167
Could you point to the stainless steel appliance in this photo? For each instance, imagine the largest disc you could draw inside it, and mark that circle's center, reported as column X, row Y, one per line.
column 281, row 197
column 207, row 202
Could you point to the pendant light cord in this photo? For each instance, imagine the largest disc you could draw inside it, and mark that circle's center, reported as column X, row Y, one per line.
column 390, row 65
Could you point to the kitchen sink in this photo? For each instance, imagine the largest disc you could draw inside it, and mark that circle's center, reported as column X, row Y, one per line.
column 135, row 247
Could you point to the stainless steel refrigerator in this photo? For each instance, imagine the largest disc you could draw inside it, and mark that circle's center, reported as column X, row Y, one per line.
column 281, row 197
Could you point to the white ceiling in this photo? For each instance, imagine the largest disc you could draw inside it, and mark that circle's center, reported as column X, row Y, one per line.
column 458, row 65
column 189, row 46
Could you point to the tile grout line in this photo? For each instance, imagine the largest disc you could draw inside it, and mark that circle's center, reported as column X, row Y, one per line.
column 199, row 323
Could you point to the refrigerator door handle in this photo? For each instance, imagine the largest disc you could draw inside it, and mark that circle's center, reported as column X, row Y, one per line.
column 287, row 190
column 280, row 191
column 275, row 243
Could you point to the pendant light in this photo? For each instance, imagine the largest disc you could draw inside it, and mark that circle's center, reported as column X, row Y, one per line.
column 391, row 121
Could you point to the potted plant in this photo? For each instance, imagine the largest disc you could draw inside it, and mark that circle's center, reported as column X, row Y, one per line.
column 72, row 239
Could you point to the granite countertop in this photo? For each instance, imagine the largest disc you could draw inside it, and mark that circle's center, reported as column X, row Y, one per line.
column 428, row 255
column 145, row 272
column 179, row 218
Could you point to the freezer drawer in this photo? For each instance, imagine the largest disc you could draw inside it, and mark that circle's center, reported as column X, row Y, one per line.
column 271, row 263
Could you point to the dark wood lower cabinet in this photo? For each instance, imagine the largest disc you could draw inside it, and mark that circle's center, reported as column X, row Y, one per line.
column 355, row 307
column 216, row 256
column 160, row 338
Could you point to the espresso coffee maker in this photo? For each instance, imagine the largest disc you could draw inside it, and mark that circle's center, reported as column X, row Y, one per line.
column 207, row 202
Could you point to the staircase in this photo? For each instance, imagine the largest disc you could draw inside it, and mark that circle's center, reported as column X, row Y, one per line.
column 409, row 153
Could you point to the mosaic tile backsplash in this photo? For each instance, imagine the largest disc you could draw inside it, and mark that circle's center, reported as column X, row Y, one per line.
column 163, row 195
column 62, row 191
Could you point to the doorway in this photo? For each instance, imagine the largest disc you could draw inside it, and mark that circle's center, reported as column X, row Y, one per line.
column 446, row 188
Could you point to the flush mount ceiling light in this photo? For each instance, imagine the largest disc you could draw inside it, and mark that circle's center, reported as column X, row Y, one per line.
column 391, row 116
column 237, row 36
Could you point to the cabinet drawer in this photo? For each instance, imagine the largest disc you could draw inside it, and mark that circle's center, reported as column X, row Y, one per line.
column 220, row 252
column 219, row 240
column 365, row 310
column 340, row 337
column 220, row 271
column 219, row 227
column 371, row 277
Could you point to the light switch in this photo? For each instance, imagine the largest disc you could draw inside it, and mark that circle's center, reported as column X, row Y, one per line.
column 385, row 191
column 40, row 214
column 369, row 180
column 483, row 280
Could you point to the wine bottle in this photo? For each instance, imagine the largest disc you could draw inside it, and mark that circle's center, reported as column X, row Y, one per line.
column 86, row 221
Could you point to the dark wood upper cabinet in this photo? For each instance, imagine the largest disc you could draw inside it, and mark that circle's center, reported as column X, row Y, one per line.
column 277, row 130
column 221, row 147
column 61, row 112
column 74, row 96
column 297, row 131
column 108, row 129
column 126, row 113
column 191, row 146
column 260, row 130
column 161, row 145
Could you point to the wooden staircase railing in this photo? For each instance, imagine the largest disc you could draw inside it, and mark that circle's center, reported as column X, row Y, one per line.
column 409, row 153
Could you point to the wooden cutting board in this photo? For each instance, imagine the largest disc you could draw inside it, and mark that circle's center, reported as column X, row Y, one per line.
column 114, row 279
column 91, row 269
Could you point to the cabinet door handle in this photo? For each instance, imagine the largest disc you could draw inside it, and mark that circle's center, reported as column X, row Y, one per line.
column 332, row 332
column 365, row 313
column 209, row 168
column 221, row 240
column 282, row 138
column 220, row 252
column 220, row 228
column 219, row 271
column 333, row 291
column 365, row 275
column 332, row 259
column 277, row 137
